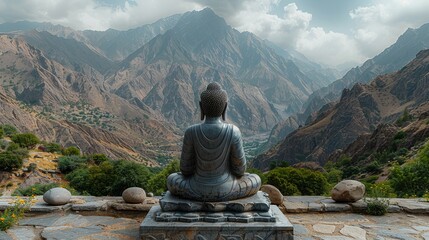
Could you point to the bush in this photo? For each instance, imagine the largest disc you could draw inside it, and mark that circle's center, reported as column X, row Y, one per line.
column 293, row 181
column 8, row 130
column 377, row 206
column 36, row 189
column 109, row 177
column 12, row 215
column 412, row 178
column 97, row 158
column 158, row 182
column 25, row 140
column 71, row 151
column 10, row 161
column 1, row 132
column 67, row 164
column 53, row 147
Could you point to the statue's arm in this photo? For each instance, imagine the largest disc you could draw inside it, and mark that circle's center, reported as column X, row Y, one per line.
column 238, row 159
column 187, row 159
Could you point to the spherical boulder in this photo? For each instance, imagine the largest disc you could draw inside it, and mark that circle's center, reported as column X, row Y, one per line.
column 134, row 195
column 348, row 191
column 57, row 196
column 275, row 196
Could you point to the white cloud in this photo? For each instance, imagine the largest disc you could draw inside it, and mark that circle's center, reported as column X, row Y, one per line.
column 379, row 25
column 90, row 14
column 374, row 27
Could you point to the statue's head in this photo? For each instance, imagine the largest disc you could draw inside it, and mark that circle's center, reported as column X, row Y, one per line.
column 213, row 101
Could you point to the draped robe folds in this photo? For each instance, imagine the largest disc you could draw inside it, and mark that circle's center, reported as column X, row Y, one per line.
column 213, row 164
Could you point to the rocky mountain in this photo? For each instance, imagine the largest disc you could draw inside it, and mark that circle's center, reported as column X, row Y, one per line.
column 168, row 73
column 390, row 60
column 60, row 104
column 359, row 112
column 117, row 45
column 113, row 44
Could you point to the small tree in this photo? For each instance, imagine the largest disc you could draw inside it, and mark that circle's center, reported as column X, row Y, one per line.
column 67, row 164
column 8, row 130
column 10, row 161
column 53, row 147
column 71, row 151
column 25, row 140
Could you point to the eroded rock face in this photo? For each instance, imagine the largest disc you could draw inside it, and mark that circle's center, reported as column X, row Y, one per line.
column 134, row 195
column 348, row 191
column 275, row 196
column 57, row 196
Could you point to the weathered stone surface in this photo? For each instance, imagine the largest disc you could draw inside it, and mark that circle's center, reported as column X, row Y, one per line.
column 120, row 206
column 44, row 207
column 57, row 196
column 90, row 206
column 276, row 197
column 22, row 233
column 281, row 229
column 134, row 195
column 359, row 206
column 324, row 228
column 354, row 232
column 316, row 207
column 414, row 207
column 257, row 202
column 296, row 207
column 332, row 206
column 348, row 191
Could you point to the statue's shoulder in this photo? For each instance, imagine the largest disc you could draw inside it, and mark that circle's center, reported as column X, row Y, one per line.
column 235, row 130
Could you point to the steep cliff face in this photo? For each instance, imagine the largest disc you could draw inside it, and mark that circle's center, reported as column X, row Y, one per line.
column 60, row 104
column 359, row 112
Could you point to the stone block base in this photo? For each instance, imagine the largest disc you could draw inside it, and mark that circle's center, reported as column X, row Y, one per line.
column 282, row 229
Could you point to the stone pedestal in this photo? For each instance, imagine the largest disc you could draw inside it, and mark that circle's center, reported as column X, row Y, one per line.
column 271, row 225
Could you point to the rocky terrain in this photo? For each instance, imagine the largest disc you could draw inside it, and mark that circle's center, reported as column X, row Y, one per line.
column 131, row 93
column 390, row 60
column 359, row 112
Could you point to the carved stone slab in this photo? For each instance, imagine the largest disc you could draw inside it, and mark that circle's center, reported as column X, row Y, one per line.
column 244, row 217
column 281, row 229
column 258, row 203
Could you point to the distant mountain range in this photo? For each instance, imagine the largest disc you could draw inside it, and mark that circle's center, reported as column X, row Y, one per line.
column 131, row 93
column 390, row 60
column 359, row 112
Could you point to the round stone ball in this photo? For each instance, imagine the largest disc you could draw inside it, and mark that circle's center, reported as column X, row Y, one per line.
column 134, row 195
column 348, row 191
column 274, row 194
column 57, row 196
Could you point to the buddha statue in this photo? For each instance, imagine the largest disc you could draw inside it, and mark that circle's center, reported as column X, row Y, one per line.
column 212, row 162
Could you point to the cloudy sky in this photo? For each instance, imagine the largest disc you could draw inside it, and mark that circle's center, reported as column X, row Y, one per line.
column 332, row 32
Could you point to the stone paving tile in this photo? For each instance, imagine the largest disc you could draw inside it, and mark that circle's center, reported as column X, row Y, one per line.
column 22, row 233
column 90, row 206
column 324, row 228
column 45, row 221
column 65, row 232
column 4, row 236
column 354, row 232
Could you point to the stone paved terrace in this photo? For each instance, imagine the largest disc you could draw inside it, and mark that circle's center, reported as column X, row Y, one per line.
column 313, row 218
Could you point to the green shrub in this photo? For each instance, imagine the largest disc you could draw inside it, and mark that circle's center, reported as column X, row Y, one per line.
column 67, row 164
column 377, row 206
column 412, row 178
column 1, row 132
column 97, row 158
column 10, row 161
column 109, row 177
column 294, row 181
column 8, row 130
column 53, row 147
column 36, row 189
column 334, row 175
column 25, row 140
column 71, row 151
column 158, row 182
